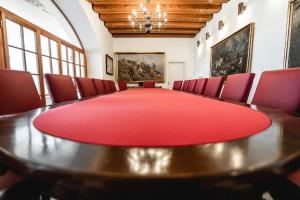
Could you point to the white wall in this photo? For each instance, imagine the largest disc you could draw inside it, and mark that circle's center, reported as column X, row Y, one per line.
column 270, row 18
column 50, row 20
column 176, row 49
column 96, row 39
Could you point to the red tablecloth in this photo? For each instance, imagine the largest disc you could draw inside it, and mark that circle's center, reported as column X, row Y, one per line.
column 151, row 117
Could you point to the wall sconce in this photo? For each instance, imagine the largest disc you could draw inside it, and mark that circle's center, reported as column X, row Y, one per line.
column 241, row 8
column 198, row 43
column 207, row 35
column 221, row 24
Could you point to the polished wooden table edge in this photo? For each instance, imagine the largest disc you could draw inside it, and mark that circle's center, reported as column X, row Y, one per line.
column 27, row 167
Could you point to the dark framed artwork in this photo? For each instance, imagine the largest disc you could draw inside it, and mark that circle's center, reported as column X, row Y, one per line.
column 292, row 52
column 109, row 65
column 139, row 67
column 233, row 55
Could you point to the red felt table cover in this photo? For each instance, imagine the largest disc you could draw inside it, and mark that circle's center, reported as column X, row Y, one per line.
column 151, row 118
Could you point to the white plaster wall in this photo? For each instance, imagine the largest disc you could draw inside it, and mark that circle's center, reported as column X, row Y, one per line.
column 270, row 18
column 176, row 49
column 96, row 39
column 52, row 20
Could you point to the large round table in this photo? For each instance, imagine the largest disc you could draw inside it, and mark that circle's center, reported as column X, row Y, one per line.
column 90, row 167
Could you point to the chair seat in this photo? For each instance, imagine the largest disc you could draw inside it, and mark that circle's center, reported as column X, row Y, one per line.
column 9, row 179
column 295, row 177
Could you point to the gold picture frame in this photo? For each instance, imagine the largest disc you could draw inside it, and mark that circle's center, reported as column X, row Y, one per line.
column 135, row 67
column 288, row 33
column 248, row 61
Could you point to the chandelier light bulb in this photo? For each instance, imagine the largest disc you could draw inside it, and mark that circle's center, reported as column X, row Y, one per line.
column 134, row 13
column 141, row 6
column 158, row 8
column 129, row 18
column 165, row 14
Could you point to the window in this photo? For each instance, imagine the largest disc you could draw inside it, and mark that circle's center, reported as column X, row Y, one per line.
column 22, row 49
column 33, row 49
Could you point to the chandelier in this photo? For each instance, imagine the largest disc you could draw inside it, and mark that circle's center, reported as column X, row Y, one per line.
column 145, row 20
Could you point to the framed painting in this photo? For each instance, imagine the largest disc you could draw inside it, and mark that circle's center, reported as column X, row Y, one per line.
column 109, row 65
column 233, row 55
column 139, row 67
column 292, row 52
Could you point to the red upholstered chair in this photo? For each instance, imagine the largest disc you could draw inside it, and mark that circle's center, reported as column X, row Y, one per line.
column 200, row 86
column 113, row 86
column 61, row 88
column 237, row 87
column 191, row 85
column 177, row 85
column 149, row 84
column 99, row 86
column 279, row 89
column 17, row 92
column 86, row 87
column 107, row 86
column 213, row 87
column 185, row 85
column 122, row 85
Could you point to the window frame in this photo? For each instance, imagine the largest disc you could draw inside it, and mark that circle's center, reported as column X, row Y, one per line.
column 4, row 48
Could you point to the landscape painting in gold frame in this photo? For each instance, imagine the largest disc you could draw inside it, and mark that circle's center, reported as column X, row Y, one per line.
column 139, row 67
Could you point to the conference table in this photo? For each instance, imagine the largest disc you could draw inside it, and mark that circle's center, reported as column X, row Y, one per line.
column 147, row 142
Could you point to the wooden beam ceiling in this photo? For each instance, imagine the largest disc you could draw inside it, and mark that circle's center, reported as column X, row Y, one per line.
column 185, row 17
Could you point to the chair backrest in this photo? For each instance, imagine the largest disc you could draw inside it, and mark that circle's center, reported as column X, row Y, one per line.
column 177, row 85
column 200, row 86
column 99, row 86
column 213, row 87
column 122, row 85
column 113, row 86
column 61, row 88
column 17, row 92
column 237, row 87
column 107, row 86
column 149, row 84
column 279, row 89
column 86, row 87
column 191, row 85
column 185, row 85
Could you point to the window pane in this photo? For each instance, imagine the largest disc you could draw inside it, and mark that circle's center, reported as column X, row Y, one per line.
column 81, row 59
column 48, row 100
column 77, row 58
column 16, row 59
column 46, row 88
column 13, row 34
column 54, row 49
column 70, row 55
column 71, row 70
column 31, row 62
column 63, row 52
column 45, row 45
column 82, row 71
column 29, row 39
column 37, row 82
column 65, row 68
column 77, row 71
column 55, row 66
column 46, row 65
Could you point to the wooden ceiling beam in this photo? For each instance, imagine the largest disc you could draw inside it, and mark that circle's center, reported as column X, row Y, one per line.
column 171, row 31
column 158, row 1
column 182, row 25
column 171, row 17
column 160, row 35
column 168, row 11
